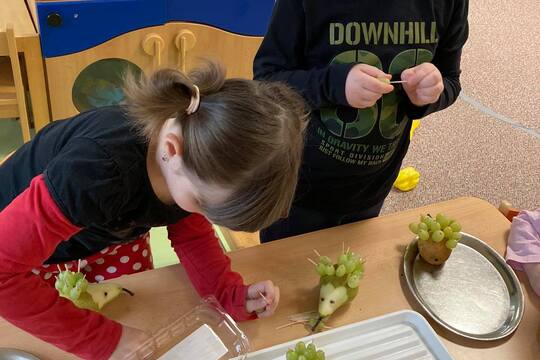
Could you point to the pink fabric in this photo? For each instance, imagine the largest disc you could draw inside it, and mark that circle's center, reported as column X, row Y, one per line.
column 524, row 240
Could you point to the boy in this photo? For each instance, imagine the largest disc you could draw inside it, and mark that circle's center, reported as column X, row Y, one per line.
column 340, row 56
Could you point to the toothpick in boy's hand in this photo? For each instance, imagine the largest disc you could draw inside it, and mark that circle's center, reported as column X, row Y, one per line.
column 424, row 84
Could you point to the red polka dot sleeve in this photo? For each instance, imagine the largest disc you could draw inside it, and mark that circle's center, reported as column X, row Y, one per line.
column 207, row 266
column 30, row 229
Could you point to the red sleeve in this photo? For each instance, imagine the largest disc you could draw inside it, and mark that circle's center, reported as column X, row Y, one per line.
column 30, row 229
column 209, row 269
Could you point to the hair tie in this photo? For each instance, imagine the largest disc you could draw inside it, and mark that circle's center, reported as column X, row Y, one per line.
column 195, row 101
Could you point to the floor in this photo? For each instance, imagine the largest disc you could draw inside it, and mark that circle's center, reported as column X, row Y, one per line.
column 486, row 145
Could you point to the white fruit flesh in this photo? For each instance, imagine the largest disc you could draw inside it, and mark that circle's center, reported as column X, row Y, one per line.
column 331, row 298
column 104, row 293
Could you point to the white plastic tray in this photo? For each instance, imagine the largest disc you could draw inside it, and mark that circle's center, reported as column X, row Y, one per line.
column 403, row 335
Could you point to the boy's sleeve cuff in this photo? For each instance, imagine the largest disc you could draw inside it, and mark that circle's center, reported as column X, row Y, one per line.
column 338, row 79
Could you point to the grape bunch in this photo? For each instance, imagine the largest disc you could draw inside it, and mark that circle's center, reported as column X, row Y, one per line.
column 303, row 352
column 349, row 267
column 442, row 228
column 71, row 284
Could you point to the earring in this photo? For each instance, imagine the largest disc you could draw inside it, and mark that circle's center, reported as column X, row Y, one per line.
column 165, row 158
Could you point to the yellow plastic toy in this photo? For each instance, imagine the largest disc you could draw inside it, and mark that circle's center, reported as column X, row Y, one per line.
column 415, row 124
column 407, row 179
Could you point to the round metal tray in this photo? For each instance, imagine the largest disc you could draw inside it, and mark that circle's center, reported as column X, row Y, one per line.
column 14, row 354
column 475, row 294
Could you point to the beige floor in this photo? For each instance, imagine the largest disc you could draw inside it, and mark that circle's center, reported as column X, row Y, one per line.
column 487, row 144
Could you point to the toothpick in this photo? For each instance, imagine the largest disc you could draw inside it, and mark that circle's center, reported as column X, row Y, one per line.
column 59, row 269
column 311, row 261
column 265, row 299
column 291, row 324
column 316, row 252
column 349, row 248
column 79, row 266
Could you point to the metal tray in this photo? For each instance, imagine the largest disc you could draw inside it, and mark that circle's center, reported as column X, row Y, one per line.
column 475, row 294
column 14, row 354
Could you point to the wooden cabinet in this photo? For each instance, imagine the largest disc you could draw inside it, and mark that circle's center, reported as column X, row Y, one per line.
column 191, row 42
column 177, row 45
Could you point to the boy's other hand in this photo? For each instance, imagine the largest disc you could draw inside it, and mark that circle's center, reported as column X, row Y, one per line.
column 424, row 84
column 262, row 298
column 363, row 86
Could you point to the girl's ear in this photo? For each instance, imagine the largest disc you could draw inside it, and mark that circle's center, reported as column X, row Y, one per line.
column 174, row 145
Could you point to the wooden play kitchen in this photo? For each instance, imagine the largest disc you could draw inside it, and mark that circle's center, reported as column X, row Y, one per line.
column 88, row 45
column 15, row 12
column 164, row 295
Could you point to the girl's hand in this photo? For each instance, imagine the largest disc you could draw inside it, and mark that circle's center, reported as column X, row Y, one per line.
column 364, row 86
column 130, row 341
column 424, row 84
column 266, row 304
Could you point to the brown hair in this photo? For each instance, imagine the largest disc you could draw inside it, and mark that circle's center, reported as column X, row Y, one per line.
column 246, row 136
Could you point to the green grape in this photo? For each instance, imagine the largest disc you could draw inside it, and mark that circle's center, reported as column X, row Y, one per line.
column 70, row 278
column 414, row 228
column 422, row 226
column 442, row 220
column 321, row 269
column 451, row 221
column 325, row 260
column 353, row 281
column 437, row 236
column 330, row 270
column 360, row 267
column 424, row 218
column 359, row 274
column 451, row 244
column 74, row 293
column 79, row 276
column 320, row 355
column 291, row 355
column 456, row 236
column 448, row 232
column 341, row 270
column 302, row 357
column 66, row 289
column 300, row 348
column 59, row 284
column 351, row 265
column 423, row 235
column 82, row 285
column 311, row 352
column 343, row 259
column 456, row 227
column 434, row 226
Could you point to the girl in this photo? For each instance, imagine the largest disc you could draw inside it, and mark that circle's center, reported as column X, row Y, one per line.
column 180, row 151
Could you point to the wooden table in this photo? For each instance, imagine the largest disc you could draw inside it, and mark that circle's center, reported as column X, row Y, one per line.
column 165, row 294
column 16, row 12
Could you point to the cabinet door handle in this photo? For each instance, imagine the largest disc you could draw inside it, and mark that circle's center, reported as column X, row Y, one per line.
column 184, row 41
column 153, row 45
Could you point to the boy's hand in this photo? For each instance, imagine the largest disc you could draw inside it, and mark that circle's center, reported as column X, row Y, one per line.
column 263, row 306
column 130, row 341
column 424, row 84
column 363, row 87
